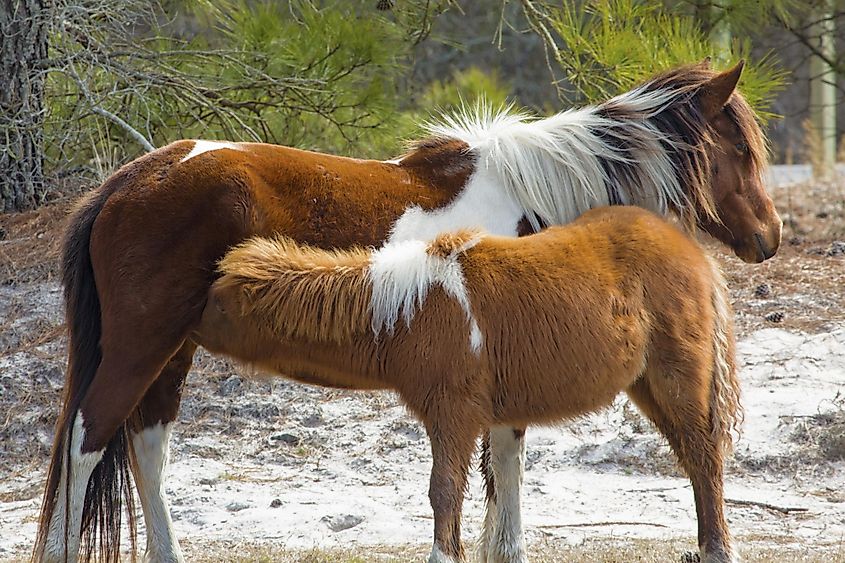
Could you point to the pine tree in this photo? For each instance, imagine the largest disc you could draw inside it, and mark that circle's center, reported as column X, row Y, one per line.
column 604, row 47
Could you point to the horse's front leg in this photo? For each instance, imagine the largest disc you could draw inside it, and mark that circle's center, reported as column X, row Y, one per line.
column 502, row 540
column 452, row 446
column 686, row 424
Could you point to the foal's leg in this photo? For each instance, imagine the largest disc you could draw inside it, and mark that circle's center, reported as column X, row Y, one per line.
column 488, row 531
column 150, row 444
column 452, row 446
column 683, row 416
column 502, row 538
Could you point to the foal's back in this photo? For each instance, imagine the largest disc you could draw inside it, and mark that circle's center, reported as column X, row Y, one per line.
column 576, row 314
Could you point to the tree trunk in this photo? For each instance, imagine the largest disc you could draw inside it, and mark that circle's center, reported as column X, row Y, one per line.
column 23, row 28
column 823, row 91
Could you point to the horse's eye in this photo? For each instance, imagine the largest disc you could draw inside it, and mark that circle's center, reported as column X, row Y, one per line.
column 741, row 147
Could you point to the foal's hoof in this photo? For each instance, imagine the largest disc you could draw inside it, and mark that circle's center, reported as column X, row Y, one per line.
column 690, row 557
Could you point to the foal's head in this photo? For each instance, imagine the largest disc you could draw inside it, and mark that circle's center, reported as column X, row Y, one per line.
column 737, row 210
column 222, row 328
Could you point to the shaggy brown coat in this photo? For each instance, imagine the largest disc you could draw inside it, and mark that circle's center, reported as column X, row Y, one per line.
column 617, row 301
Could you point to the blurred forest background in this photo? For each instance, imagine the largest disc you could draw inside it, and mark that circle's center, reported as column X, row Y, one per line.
column 87, row 85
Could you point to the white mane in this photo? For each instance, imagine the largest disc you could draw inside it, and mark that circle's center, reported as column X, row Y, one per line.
column 560, row 166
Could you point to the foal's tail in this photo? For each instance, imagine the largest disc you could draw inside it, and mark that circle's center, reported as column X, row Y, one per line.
column 725, row 409
column 110, row 480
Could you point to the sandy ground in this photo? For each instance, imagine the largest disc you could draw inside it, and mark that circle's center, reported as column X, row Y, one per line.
column 277, row 464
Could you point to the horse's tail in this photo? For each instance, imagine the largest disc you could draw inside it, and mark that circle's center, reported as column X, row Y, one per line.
column 110, row 481
column 725, row 409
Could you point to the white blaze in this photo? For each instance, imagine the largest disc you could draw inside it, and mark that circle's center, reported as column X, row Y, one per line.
column 201, row 147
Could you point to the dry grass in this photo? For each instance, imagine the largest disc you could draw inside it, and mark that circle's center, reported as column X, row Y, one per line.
column 30, row 244
column 551, row 550
column 754, row 550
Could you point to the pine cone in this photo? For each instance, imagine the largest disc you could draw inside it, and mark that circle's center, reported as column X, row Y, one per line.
column 775, row 317
column 762, row 290
column 384, row 5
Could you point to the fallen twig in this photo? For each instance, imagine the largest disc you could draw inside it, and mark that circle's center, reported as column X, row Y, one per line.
column 608, row 523
column 781, row 509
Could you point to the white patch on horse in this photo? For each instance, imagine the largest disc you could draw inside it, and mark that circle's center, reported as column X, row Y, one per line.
column 82, row 465
column 151, row 453
column 401, row 274
column 730, row 557
column 506, row 542
column 482, row 548
column 394, row 161
column 201, row 147
column 483, row 203
column 437, row 556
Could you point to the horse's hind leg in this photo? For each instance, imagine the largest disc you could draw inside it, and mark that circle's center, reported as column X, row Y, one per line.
column 678, row 404
column 502, row 539
column 121, row 379
column 150, row 444
column 62, row 542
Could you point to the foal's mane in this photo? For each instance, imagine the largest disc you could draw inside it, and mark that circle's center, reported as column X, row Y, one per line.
column 299, row 292
column 645, row 147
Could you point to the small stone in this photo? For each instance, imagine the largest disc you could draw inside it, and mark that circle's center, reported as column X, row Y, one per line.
column 286, row 438
column 313, row 420
column 762, row 290
column 236, row 506
column 775, row 317
column 837, row 248
column 340, row 522
column 276, row 503
column 230, row 387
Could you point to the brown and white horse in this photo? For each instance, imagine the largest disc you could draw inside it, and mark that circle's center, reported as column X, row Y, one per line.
column 141, row 251
column 478, row 331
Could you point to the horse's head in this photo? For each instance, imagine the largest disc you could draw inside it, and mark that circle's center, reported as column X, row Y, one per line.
column 743, row 215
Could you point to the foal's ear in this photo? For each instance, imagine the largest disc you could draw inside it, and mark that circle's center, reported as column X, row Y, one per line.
column 716, row 92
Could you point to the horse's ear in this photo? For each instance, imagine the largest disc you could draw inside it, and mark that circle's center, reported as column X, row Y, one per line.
column 716, row 92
